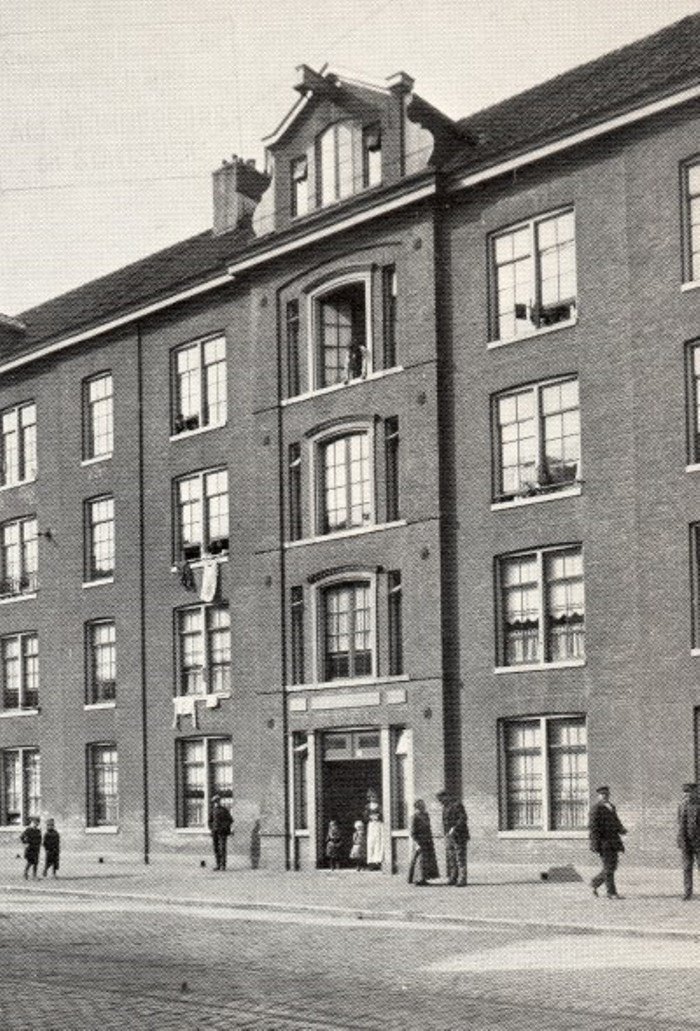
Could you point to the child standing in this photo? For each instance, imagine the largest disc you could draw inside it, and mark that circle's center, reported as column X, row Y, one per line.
column 357, row 852
column 31, row 837
column 333, row 842
column 52, row 848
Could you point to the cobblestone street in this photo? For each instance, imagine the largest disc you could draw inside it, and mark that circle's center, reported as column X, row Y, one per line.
column 86, row 964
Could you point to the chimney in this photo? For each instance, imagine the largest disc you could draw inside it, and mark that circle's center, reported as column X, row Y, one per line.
column 238, row 186
column 12, row 333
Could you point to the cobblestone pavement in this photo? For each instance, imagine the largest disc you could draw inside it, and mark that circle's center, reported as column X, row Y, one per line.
column 68, row 965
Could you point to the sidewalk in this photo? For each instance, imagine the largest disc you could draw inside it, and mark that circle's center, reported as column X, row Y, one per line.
column 498, row 894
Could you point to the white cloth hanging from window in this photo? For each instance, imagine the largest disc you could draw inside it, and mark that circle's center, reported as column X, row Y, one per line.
column 184, row 705
column 210, row 580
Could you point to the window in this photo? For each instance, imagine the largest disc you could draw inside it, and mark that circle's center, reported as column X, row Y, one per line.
column 341, row 323
column 401, row 777
column 103, row 785
column 98, row 416
column 371, row 155
column 18, row 557
column 299, row 171
column 391, row 453
column 691, row 219
column 695, row 580
column 300, row 746
column 347, row 631
column 100, row 538
column 693, row 379
column 199, row 380
column 534, row 271
column 545, row 773
column 101, row 661
column 205, row 769
column 292, row 312
column 202, row 514
column 542, row 607
column 295, row 520
column 539, row 439
column 334, row 164
column 395, row 623
column 297, row 635
column 204, row 650
column 19, row 654
column 345, row 490
column 18, row 444
column 389, row 292
column 21, row 786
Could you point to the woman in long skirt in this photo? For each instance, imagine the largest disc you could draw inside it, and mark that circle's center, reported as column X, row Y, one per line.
column 424, row 863
column 376, row 842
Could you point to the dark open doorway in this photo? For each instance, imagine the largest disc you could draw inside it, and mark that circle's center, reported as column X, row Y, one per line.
column 348, row 772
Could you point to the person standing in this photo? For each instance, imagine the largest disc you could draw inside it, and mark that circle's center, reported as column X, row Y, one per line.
column 605, row 831
column 357, row 852
column 52, row 848
column 375, row 831
column 424, row 865
column 220, row 825
column 333, row 842
column 456, row 828
column 688, row 839
column 31, row 838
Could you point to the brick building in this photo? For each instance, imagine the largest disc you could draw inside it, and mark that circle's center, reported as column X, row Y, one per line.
column 388, row 481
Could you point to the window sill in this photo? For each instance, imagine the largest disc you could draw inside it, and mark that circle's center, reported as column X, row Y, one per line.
column 98, row 583
column 12, row 828
column 566, row 492
column 533, row 835
column 694, row 467
column 107, row 829
column 17, row 483
column 319, row 391
column 534, row 335
column 356, row 531
column 198, row 563
column 303, row 833
column 96, row 459
column 7, row 714
column 100, row 705
column 541, row 667
column 17, row 597
column 328, row 685
column 695, row 651
column 202, row 696
column 198, row 831
column 197, row 432
column 693, row 284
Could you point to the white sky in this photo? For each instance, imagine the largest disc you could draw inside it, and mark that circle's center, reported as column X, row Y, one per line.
column 113, row 113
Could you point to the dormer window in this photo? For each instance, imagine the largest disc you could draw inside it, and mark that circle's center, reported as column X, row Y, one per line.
column 334, row 164
column 371, row 156
column 300, row 186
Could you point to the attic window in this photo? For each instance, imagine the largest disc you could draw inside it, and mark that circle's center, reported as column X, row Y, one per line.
column 300, row 186
column 334, row 164
column 371, row 155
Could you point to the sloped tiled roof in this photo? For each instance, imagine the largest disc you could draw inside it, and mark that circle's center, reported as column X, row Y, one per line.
column 619, row 81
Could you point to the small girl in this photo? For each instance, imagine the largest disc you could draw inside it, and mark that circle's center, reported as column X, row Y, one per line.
column 357, row 852
column 333, row 842
column 52, row 848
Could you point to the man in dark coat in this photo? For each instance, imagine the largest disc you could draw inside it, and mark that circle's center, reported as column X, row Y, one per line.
column 456, row 828
column 689, row 835
column 605, row 832
column 31, row 838
column 220, row 824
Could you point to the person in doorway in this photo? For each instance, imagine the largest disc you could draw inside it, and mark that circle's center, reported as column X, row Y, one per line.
column 688, row 839
column 456, row 828
column 220, row 825
column 359, row 845
column 355, row 362
column 52, row 848
column 333, row 842
column 605, row 831
column 375, row 831
column 424, row 865
column 31, row 838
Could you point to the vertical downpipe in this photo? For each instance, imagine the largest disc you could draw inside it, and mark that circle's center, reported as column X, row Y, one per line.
column 142, row 592
column 283, row 585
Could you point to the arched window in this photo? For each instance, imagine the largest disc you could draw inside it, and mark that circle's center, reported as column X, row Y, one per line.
column 345, row 493
column 334, row 163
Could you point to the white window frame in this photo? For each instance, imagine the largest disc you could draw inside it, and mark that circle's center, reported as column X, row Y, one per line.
column 92, row 574
column 314, row 298
column 25, row 812
column 316, row 473
column 26, row 456
column 90, row 454
column 20, row 639
column 31, row 576
column 204, row 632
column 299, row 194
column 691, row 268
column 318, row 643
column 337, row 193
column 177, row 431
column 541, row 554
column 93, row 697
column 180, row 745
column 546, row 830
column 205, row 520
column 91, row 821
column 533, row 326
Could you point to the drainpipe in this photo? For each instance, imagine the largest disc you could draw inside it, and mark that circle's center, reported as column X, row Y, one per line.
column 142, row 592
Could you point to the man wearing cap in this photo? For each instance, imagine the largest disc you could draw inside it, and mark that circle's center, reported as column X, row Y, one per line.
column 220, row 823
column 688, row 839
column 605, row 832
column 456, row 828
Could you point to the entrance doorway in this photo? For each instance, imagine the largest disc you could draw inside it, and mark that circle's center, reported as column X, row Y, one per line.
column 351, row 765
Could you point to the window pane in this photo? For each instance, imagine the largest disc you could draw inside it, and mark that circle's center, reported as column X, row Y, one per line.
column 105, row 785
column 568, row 767
column 521, row 616
column 12, row 788
column 524, row 775
column 565, row 605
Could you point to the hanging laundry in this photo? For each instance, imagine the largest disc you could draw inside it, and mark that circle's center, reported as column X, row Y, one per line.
column 184, row 705
column 210, row 580
column 186, row 575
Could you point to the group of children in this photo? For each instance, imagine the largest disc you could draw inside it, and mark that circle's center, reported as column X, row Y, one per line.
column 334, row 845
column 32, row 839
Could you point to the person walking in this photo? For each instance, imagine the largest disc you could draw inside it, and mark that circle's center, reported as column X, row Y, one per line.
column 456, row 828
column 605, row 831
column 424, row 865
column 220, row 825
column 52, row 848
column 688, row 839
column 31, row 838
